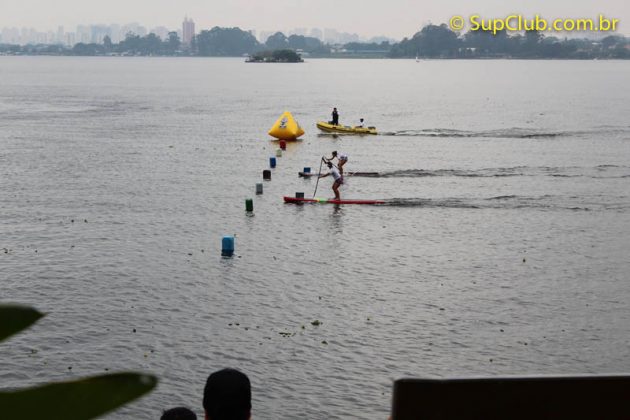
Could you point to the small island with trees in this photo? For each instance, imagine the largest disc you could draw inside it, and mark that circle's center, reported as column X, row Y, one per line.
column 277, row 56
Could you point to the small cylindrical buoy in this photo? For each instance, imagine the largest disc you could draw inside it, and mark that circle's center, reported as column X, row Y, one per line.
column 272, row 162
column 299, row 195
column 267, row 175
column 283, row 145
column 259, row 188
column 279, row 153
column 227, row 246
column 249, row 205
column 307, row 170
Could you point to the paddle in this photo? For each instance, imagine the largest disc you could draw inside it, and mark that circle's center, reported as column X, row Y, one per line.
column 318, row 175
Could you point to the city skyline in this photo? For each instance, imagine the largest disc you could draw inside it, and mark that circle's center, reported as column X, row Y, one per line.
column 95, row 33
column 395, row 19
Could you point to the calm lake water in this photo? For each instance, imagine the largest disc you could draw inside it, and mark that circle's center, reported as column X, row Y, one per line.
column 503, row 248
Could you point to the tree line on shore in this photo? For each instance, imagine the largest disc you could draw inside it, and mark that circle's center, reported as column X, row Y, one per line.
column 432, row 41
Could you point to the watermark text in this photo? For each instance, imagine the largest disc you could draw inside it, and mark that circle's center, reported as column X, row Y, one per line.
column 518, row 23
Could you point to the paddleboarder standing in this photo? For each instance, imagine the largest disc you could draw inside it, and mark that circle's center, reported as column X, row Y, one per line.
column 336, row 176
column 342, row 159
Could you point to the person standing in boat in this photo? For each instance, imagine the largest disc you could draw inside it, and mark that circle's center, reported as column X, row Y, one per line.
column 335, row 117
column 342, row 159
column 336, row 176
column 361, row 123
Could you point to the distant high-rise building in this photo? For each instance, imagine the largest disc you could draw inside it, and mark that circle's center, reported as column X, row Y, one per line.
column 298, row 31
column 70, row 39
column 27, row 36
column 10, row 35
column 60, row 38
column 98, row 33
column 345, row 37
column 331, row 36
column 133, row 28
column 317, row 33
column 161, row 32
column 83, row 34
column 116, row 33
column 188, row 31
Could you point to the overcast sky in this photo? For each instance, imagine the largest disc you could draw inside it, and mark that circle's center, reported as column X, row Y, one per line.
column 393, row 18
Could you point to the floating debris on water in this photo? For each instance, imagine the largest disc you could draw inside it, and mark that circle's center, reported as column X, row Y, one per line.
column 316, row 323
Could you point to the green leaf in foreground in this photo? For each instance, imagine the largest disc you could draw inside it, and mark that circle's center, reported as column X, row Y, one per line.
column 14, row 318
column 76, row 400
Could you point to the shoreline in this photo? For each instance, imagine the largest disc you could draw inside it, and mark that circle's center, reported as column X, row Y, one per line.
column 334, row 58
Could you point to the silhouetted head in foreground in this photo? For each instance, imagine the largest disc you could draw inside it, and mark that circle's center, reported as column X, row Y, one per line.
column 178, row 413
column 227, row 396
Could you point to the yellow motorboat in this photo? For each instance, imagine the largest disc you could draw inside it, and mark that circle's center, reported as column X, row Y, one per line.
column 345, row 129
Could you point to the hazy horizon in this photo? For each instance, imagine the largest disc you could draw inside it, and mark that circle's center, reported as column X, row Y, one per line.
column 396, row 19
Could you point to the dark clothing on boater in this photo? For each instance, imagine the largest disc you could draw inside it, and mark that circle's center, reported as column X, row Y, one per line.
column 335, row 117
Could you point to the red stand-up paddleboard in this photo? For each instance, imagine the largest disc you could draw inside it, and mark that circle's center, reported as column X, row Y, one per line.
column 367, row 174
column 329, row 201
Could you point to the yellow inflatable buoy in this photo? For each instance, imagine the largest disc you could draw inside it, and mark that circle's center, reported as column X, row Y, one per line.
column 286, row 128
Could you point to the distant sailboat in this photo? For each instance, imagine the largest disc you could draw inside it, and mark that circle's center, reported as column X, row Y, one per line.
column 417, row 60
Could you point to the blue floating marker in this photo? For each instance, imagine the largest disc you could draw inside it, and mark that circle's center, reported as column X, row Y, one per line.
column 307, row 170
column 272, row 162
column 227, row 246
